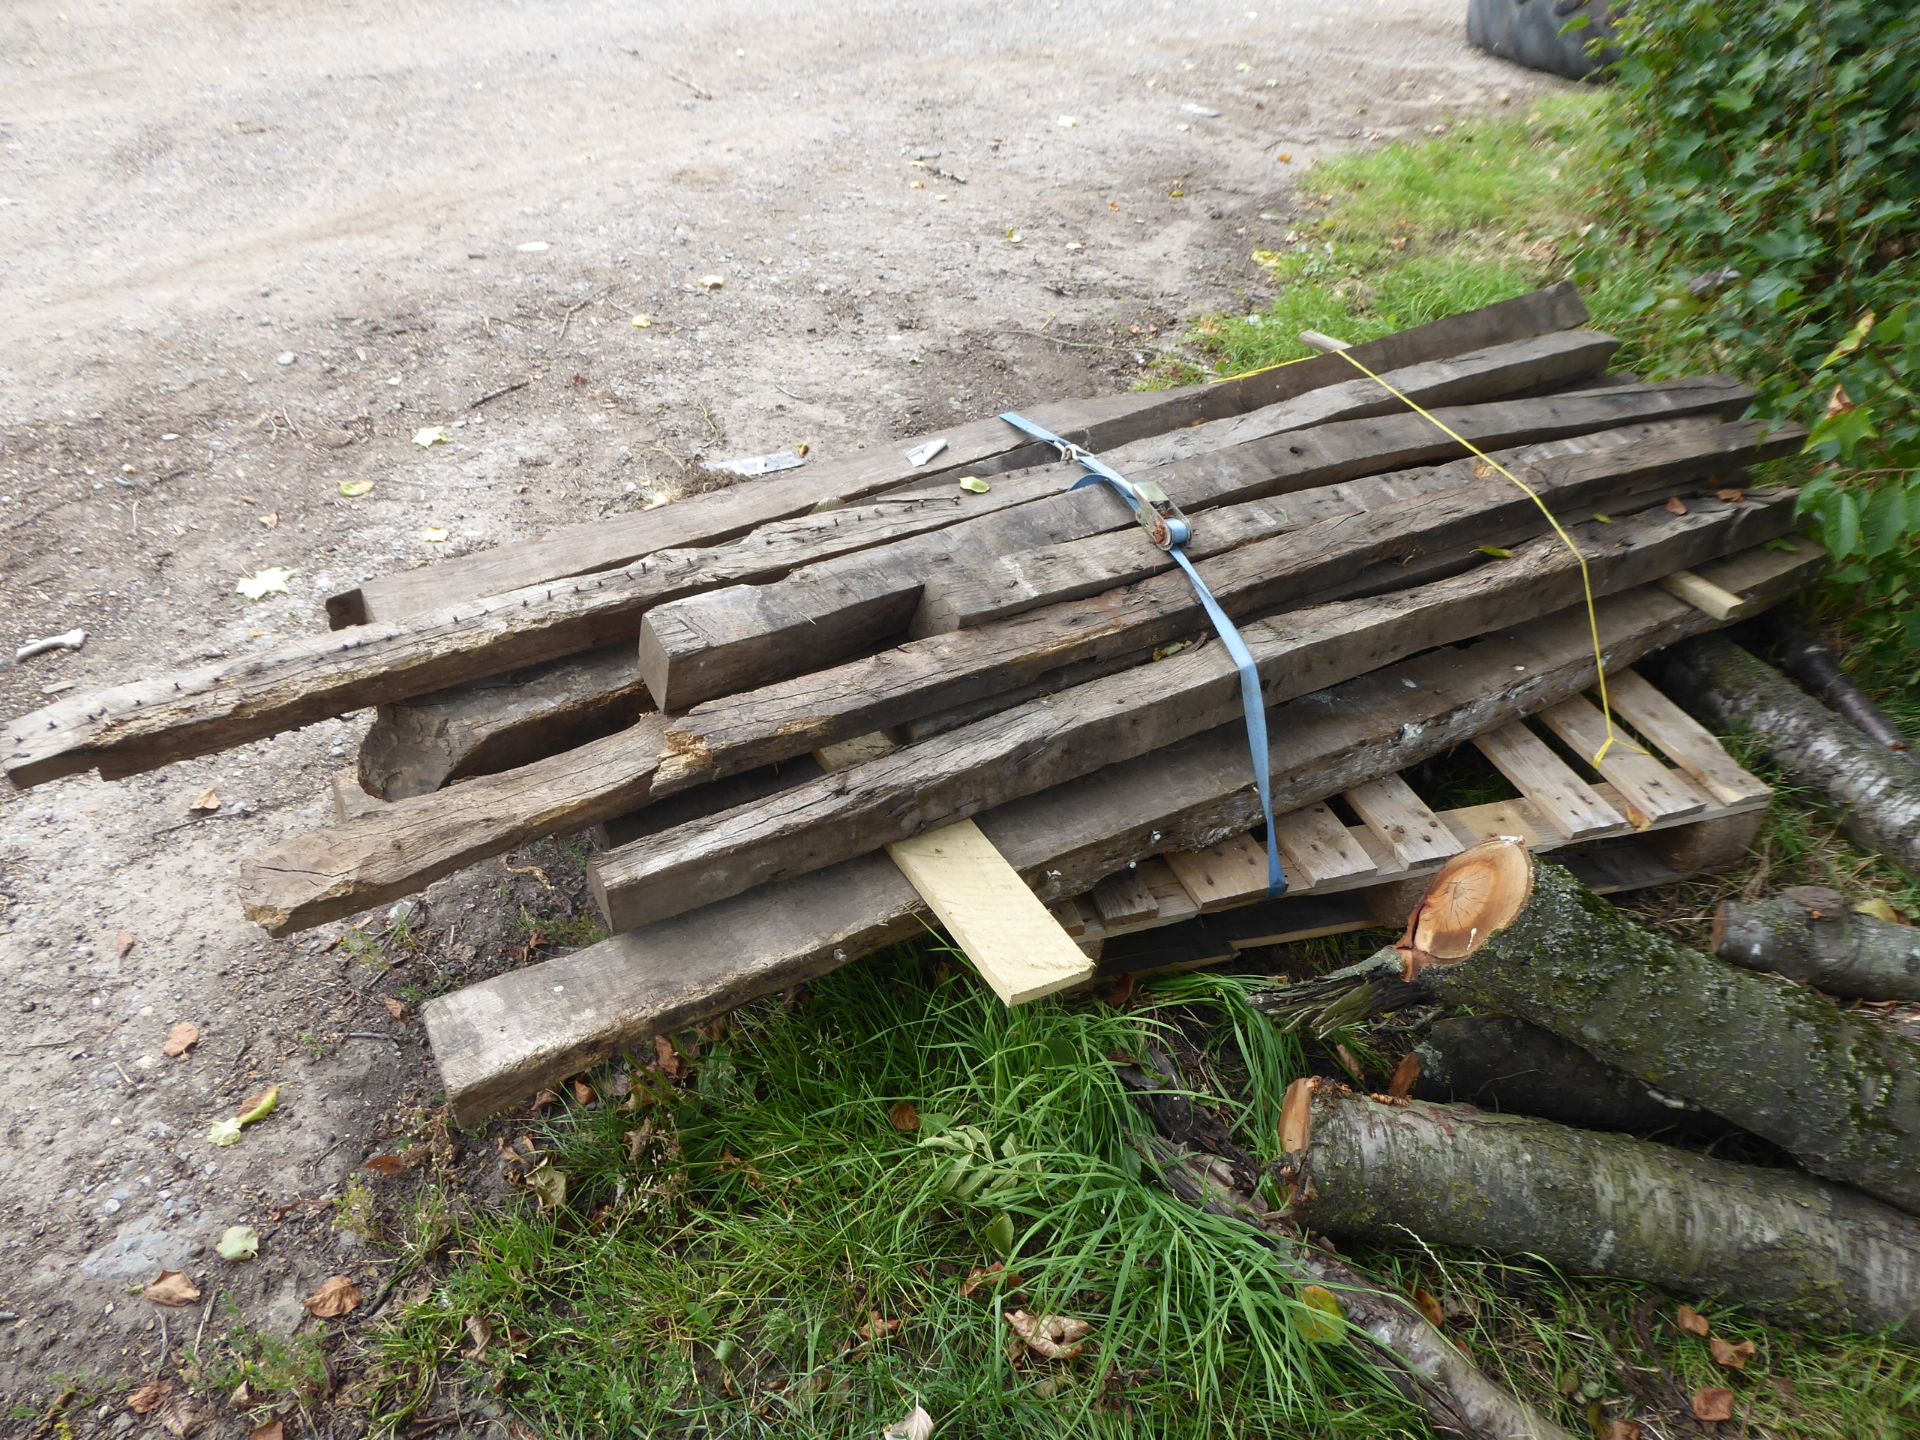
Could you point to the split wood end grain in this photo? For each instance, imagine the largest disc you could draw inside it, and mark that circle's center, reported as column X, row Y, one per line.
column 1475, row 895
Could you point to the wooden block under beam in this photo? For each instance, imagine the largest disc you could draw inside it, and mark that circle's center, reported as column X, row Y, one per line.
column 1649, row 787
column 1683, row 740
column 1124, row 897
column 1234, row 872
column 1562, row 799
column 350, row 802
column 1318, row 850
column 1413, row 833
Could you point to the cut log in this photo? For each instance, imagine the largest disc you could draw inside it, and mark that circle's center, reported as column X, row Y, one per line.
column 940, row 672
column 1778, row 1241
column 1458, row 1398
column 1806, row 657
column 983, row 584
column 1498, row 1063
column 753, row 633
column 498, row 1041
column 984, row 446
column 1062, row 736
column 1835, row 1090
column 1811, row 935
column 416, row 746
column 1874, row 792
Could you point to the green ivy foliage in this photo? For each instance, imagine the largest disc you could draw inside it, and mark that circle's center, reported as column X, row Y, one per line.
column 1775, row 181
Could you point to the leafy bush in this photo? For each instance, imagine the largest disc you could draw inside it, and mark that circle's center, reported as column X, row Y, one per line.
column 1775, row 183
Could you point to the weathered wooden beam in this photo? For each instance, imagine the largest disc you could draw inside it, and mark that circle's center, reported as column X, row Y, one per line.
column 498, row 1041
column 753, row 633
column 145, row 724
column 938, row 672
column 403, row 846
column 1061, row 737
column 979, row 585
column 494, row 724
column 983, row 446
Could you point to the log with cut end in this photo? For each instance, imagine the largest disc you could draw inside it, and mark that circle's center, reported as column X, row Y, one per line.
column 1812, row 935
column 1835, row 1090
column 1499, row 1063
column 1875, row 792
column 1787, row 1245
column 1808, row 659
column 1434, row 1372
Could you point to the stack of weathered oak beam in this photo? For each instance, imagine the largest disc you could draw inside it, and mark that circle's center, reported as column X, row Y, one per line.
column 787, row 702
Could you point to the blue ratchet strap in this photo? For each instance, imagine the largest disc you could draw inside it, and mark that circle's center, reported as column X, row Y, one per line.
column 1167, row 528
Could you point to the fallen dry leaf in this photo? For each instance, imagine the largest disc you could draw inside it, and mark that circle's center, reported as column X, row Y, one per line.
column 337, row 1296
column 1405, row 1075
column 1429, row 1305
column 398, row 1009
column 172, row 1288
column 1691, row 1321
column 150, row 1395
column 208, row 799
column 1728, row 1356
column 917, row 1425
column 1713, row 1404
column 182, row 1038
column 1839, row 402
column 978, row 1277
column 272, row 1430
column 583, row 1093
column 878, row 1327
column 668, row 1057
column 180, row 1417
column 1351, row 1065
column 1055, row 1337
column 481, row 1329
column 1732, row 497
column 122, row 944
column 1621, row 1430
column 271, row 520
column 904, row 1117
column 387, row 1165
column 1676, row 506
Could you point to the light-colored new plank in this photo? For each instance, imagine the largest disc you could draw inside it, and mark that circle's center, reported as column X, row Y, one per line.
column 1234, row 872
column 1401, row 819
column 1650, row 788
column 1016, row 943
column 1318, row 850
column 1703, row 594
column 1563, row 800
column 996, row 920
column 1683, row 740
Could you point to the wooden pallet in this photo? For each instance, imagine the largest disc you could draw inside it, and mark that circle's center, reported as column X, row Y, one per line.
column 1667, row 801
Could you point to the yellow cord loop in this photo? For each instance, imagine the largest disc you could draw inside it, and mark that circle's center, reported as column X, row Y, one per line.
column 1586, row 578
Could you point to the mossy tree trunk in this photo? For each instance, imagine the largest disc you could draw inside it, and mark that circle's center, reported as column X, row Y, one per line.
column 1811, row 935
column 1875, row 792
column 1835, row 1090
column 1779, row 1241
column 1499, row 1063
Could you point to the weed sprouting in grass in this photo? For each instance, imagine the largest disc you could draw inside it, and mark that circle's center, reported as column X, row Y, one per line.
column 788, row 1259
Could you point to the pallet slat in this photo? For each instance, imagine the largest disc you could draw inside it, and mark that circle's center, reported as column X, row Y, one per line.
column 1564, row 801
column 1402, row 821
column 1653, row 790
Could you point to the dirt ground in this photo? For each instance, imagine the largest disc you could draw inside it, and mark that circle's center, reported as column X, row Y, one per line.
column 251, row 248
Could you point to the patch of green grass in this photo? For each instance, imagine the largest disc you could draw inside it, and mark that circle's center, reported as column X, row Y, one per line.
column 270, row 1366
column 736, row 1259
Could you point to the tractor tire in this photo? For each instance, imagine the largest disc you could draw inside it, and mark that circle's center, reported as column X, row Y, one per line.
column 1530, row 33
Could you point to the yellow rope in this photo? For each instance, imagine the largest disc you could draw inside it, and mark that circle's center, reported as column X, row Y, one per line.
column 1264, row 369
column 1586, row 580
